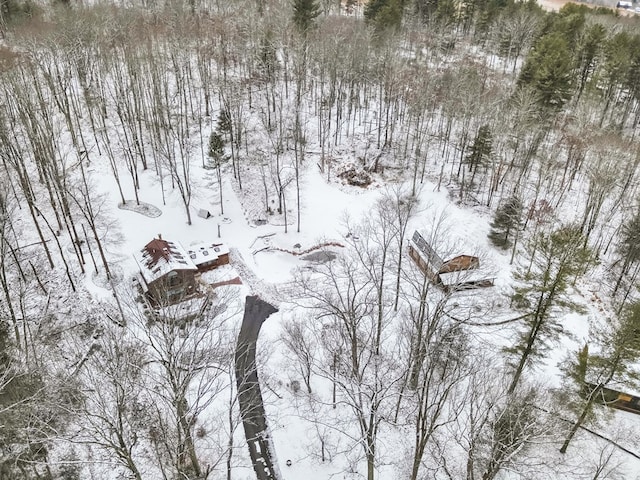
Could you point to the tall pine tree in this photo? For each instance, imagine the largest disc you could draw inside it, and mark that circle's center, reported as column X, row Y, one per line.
column 216, row 154
column 549, row 71
column 305, row 13
column 628, row 249
column 481, row 148
column 507, row 219
column 384, row 14
column 557, row 259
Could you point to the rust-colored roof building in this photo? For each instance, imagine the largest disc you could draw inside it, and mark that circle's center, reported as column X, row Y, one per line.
column 168, row 271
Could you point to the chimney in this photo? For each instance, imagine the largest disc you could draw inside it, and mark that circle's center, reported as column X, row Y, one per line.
column 159, row 237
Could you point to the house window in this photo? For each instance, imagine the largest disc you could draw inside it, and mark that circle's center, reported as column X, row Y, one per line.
column 174, row 279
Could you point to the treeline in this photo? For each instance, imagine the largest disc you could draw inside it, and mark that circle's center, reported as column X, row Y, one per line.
column 507, row 103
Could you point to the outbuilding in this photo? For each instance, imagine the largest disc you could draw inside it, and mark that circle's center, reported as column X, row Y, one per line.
column 460, row 271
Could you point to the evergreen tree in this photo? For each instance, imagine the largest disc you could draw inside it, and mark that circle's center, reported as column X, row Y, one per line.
column 619, row 350
column 5, row 346
column 224, row 121
column 486, row 13
column 570, row 23
column 629, row 247
column 549, row 71
column 633, row 75
column 372, row 8
column 305, row 13
column 447, row 12
column 618, row 58
column 481, row 149
column 216, row 153
column 508, row 217
column 384, row 14
column 480, row 152
column 589, row 48
column 557, row 258
column 630, row 239
column 216, row 147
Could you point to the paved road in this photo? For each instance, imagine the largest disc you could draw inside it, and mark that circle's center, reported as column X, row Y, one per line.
column 256, row 311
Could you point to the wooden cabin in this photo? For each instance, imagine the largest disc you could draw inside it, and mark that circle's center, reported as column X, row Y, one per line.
column 459, row 272
column 168, row 272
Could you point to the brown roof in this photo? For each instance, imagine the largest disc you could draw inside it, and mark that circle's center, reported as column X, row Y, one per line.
column 157, row 249
column 159, row 257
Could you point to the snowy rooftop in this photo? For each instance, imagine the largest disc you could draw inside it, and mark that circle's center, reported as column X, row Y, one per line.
column 159, row 257
column 450, row 248
column 426, row 250
column 461, row 277
column 441, row 248
column 206, row 252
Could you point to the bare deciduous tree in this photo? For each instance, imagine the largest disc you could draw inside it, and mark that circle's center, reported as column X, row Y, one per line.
column 190, row 351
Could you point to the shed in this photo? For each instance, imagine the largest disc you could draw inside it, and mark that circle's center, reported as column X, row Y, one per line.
column 461, row 271
column 204, row 213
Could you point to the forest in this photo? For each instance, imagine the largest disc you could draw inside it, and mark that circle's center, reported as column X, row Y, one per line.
column 524, row 117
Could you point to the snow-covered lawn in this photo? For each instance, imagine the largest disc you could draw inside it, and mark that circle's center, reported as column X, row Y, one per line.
column 268, row 270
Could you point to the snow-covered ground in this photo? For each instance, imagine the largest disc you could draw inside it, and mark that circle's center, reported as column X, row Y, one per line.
column 263, row 256
column 268, row 271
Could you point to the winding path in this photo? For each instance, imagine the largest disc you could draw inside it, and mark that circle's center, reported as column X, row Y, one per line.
column 256, row 311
